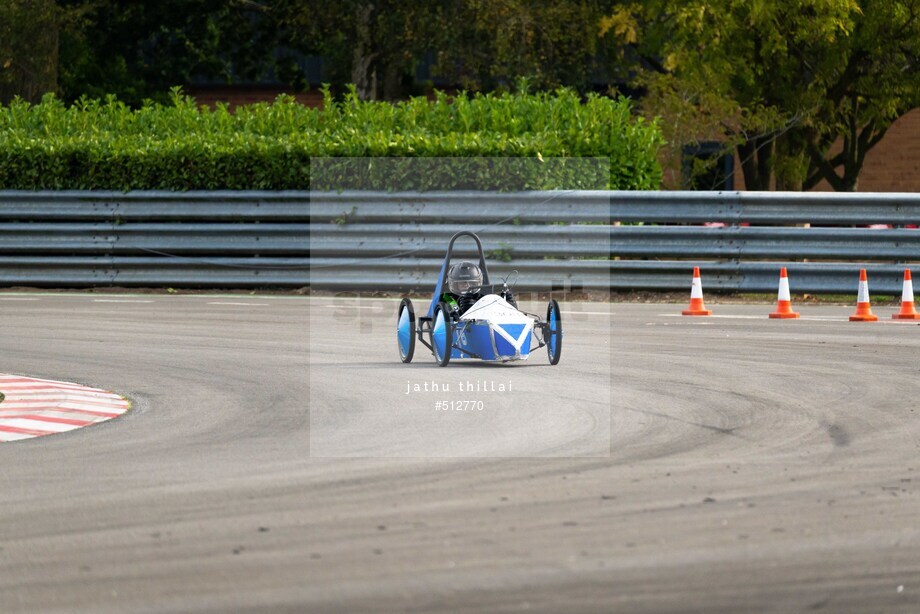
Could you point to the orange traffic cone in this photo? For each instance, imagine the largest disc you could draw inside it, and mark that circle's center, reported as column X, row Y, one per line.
column 863, row 308
column 908, row 311
column 784, row 301
column 697, row 308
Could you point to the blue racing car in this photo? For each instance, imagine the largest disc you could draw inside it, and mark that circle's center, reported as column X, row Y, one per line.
column 470, row 318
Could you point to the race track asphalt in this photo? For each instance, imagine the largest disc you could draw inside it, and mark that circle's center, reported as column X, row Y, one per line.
column 272, row 461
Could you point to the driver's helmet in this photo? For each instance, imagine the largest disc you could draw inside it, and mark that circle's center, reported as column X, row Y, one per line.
column 464, row 278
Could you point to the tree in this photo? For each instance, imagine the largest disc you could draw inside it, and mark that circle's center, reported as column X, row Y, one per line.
column 489, row 44
column 138, row 50
column 870, row 79
column 782, row 82
column 476, row 44
column 373, row 44
column 28, row 49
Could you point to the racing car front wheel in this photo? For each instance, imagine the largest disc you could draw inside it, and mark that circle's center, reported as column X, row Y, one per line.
column 442, row 334
column 405, row 330
column 553, row 332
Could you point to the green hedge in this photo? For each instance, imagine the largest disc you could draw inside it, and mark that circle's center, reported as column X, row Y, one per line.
column 106, row 145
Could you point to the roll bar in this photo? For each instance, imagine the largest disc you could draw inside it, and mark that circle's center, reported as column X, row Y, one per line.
column 445, row 268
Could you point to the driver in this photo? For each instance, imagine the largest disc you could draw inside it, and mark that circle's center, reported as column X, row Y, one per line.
column 464, row 281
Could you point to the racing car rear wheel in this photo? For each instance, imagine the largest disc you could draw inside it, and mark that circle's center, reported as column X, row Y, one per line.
column 405, row 330
column 553, row 332
column 442, row 334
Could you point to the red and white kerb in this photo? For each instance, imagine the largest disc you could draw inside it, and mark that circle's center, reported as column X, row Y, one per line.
column 34, row 407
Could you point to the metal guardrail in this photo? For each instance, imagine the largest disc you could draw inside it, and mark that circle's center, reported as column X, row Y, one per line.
column 152, row 238
column 826, row 208
column 394, row 241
